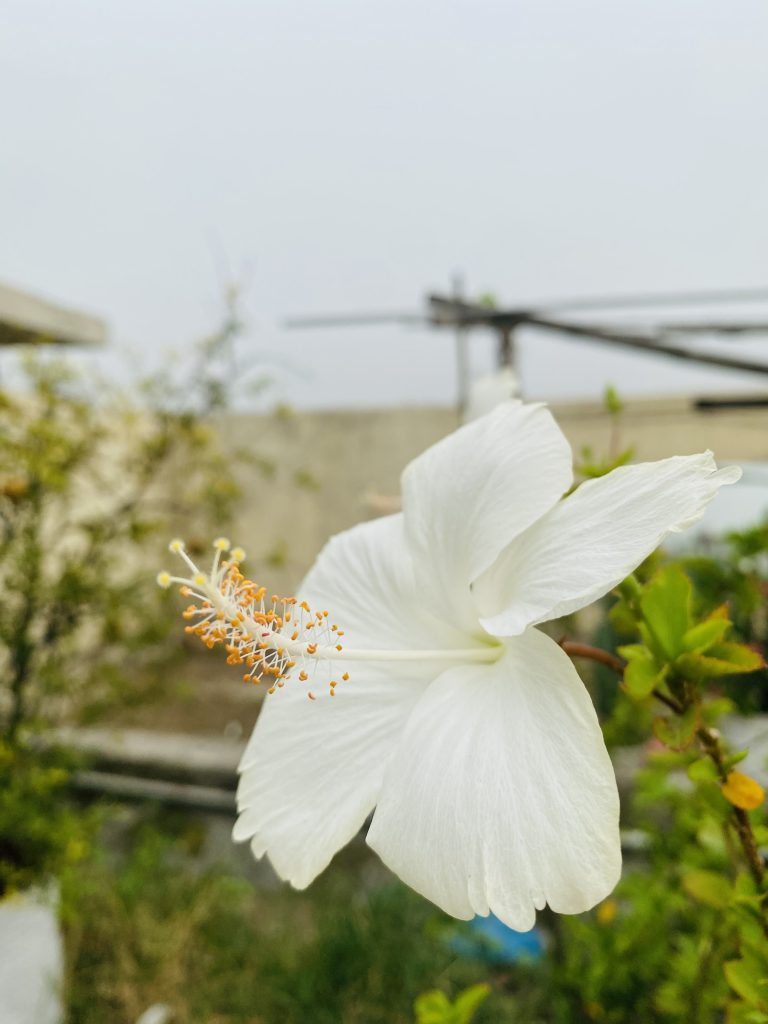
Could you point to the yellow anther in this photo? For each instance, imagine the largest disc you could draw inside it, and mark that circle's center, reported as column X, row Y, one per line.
column 238, row 554
column 176, row 546
column 254, row 630
column 164, row 580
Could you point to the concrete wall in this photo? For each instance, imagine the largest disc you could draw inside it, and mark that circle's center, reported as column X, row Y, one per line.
column 356, row 458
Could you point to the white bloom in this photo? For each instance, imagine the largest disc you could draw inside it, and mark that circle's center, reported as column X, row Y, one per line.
column 465, row 727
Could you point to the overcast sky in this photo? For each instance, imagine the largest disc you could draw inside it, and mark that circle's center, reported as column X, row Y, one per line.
column 351, row 155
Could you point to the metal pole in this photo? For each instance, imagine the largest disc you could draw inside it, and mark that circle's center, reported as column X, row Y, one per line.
column 462, row 354
column 506, row 353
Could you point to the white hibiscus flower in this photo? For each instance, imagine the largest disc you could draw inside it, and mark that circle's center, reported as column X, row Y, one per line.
column 460, row 725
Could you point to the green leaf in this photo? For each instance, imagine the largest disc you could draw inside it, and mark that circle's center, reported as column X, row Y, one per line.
column 741, row 657
column 613, row 403
column 721, row 659
column 642, row 674
column 741, row 1013
column 435, row 1007
column 733, row 759
column 699, row 638
column 623, row 618
column 748, row 977
column 432, row 1008
column 745, row 885
column 677, row 731
column 633, row 652
column 714, row 710
column 468, row 1001
column 666, row 608
column 708, row 888
column 703, row 770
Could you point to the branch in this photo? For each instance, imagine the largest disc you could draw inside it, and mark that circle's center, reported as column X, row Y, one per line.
column 710, row 744
column 576, row 650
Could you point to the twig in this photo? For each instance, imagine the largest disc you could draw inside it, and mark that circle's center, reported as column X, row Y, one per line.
column 712, row 747
column 597, row 654
column 576, row 650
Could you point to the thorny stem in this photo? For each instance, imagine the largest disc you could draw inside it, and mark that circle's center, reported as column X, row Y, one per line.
column 709, row 740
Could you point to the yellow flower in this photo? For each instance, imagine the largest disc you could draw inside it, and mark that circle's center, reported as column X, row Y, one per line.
column 743, row 792
column 606, row 911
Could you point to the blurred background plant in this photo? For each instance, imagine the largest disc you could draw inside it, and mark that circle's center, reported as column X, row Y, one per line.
column 92, row 482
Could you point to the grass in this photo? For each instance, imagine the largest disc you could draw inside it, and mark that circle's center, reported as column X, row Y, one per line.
column 153, row 929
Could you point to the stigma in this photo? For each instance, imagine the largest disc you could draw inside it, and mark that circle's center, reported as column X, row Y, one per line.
column 272, row 638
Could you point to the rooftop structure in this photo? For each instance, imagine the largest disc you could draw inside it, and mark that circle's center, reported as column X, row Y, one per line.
column 28, row 320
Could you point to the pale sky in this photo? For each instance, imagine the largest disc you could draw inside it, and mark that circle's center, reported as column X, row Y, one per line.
column 341, row 155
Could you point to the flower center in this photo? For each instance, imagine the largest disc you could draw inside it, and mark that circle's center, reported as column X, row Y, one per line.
column 273, row 636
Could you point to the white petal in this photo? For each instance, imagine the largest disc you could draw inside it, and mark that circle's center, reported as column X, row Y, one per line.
column 501, row 796
column 366, row 578
column 312, row 770
column 594, row 538
column 472, row 493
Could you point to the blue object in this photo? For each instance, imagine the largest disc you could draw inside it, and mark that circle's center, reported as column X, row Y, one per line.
column 487, row 938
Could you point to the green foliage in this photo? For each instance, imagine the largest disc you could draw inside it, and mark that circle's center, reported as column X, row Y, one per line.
column 656, row 950
column 79, row 498
column 435, row 1007
column 89, row 484
column 682, row 650
column 590, row 465
column 735, row 572
column 214, row 948
column 40, row 831
column 679, row 649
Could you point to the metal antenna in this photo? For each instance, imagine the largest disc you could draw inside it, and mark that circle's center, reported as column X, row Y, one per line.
column 454, row 312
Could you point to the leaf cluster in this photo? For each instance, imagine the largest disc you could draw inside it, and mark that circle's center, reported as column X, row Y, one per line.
column 85, row 486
